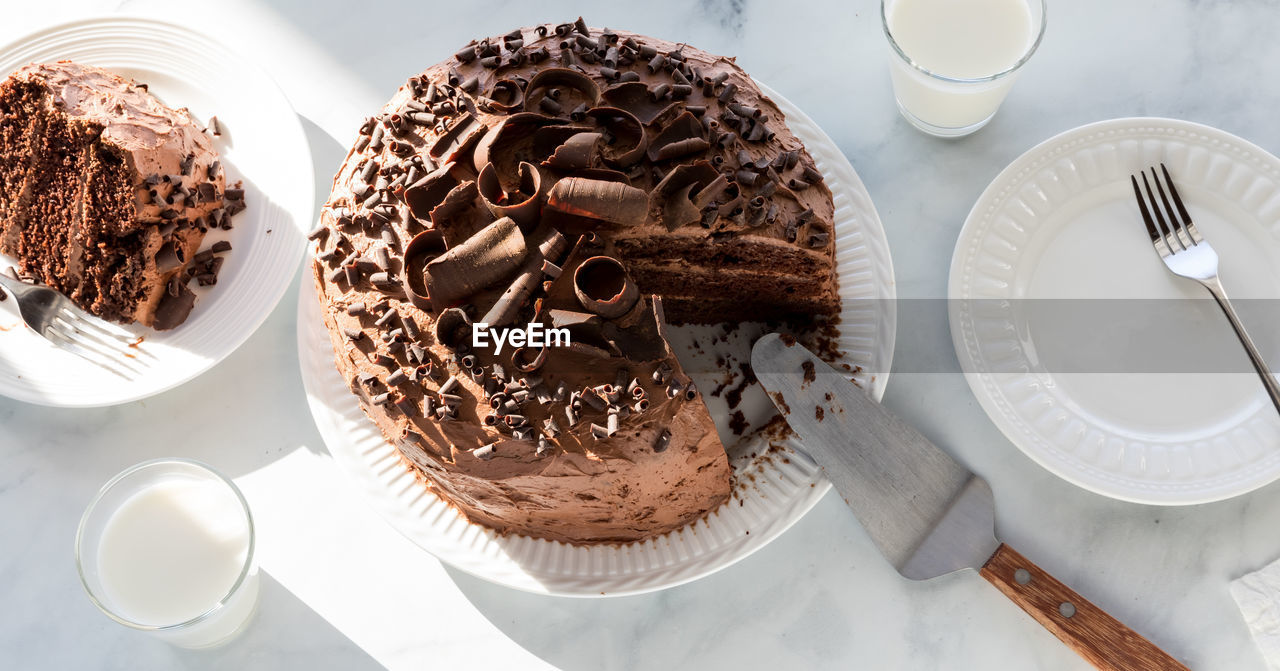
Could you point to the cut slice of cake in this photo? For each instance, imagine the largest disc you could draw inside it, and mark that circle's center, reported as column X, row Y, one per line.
column 105, row 192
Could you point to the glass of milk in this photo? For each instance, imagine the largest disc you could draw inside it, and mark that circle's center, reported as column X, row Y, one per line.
column 166, row 547
column 953, row 61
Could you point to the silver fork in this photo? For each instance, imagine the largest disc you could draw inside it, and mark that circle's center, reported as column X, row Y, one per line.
column 62, row 323
column 1189, row 255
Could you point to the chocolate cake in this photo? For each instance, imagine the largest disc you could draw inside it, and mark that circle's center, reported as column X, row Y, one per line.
column 561, row 177
column 105, row 193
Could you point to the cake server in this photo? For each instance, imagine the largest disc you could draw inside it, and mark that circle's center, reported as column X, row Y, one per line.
column 926, row 513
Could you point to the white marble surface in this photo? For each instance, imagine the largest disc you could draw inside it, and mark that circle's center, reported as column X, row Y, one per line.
column 342, row 590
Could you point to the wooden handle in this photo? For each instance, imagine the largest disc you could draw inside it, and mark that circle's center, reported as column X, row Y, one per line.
column 1099, row 638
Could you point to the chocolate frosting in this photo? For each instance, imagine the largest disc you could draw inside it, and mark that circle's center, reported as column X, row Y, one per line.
column 634, row 143
column 166, row 151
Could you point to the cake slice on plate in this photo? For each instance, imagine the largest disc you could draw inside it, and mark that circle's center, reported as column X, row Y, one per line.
column 105, row 192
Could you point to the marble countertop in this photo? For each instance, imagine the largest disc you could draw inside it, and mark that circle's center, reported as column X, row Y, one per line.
column 343, row 590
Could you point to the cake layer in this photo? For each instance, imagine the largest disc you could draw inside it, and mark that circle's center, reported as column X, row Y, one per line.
column 703, row 295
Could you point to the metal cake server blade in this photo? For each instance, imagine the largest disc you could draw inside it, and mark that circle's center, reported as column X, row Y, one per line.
column 928, row 514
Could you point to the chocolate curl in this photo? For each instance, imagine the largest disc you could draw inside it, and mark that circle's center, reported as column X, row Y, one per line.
column 460, row 138
column 576, row 153
column 583, row 326
column 489, row 256
column 669, row 201
column 525, row 212
column 501, row 144
column 528, row 360
column 681, row 137
column 453, row 327
column 708, row 194
column 603, row 287
column 629, row 140
column 575, row 88
column 504, row 311
column 459, row 199
column 602, row 174
column 550, row 244
column 507, row 96
column 636, row 98
column 613, row 202
column 592, row 398
column 427, row 193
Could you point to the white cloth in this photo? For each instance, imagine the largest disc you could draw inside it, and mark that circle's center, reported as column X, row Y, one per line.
column 1258, row 596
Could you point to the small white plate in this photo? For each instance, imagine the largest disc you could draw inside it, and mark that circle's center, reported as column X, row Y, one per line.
column 262, row 144
column 774, row 488
column 1061, row 222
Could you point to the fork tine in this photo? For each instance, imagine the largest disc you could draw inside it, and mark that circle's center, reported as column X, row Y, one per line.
column 1146, row 214
column 1166, row 231
column 94, row 345
column 61, row 341
column 106, row 347
column 91, row 327
column 1182, row 210
column 1175, row 222
column 81, row 320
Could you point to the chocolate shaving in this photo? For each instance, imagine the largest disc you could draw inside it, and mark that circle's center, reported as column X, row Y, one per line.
column 508, row 305
column 711, row 192
column 460, row 137
column 405, row 405
column 453, row 328
column 669, row 202
column 487, row 257
column 683, row 136
column 576, row 153
column 507, row 96
column 575, row 88
column 424, row 247
column 425, row 195
column 626, row 140
column 636, row 98
column 603, row 287
column 549, row 244
column 613, row 202
column 504, row 145
column 527, row 359
column 526, row 211
column 458, row 200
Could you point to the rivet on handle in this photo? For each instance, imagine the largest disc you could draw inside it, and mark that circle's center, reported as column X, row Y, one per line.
column 1067, row 609
column 1022, row 576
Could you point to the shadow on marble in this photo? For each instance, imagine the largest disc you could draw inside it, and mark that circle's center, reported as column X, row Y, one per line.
column 799, row 602
column 284, row 626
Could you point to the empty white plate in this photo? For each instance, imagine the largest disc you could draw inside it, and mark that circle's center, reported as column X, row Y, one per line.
column 1085, row 351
